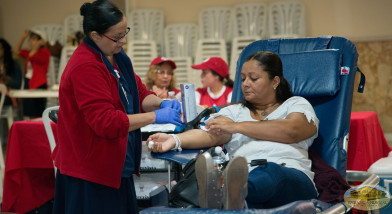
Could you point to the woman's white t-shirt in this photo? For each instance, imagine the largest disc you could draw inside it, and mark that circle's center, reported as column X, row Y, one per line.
column 291, row 155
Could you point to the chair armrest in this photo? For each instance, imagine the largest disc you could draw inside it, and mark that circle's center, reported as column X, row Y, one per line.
column 367, row 178
column 182, row 157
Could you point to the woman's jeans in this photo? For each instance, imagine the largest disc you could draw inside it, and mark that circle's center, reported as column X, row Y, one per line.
column 273, row 185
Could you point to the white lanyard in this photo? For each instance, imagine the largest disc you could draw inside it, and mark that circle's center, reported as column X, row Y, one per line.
column 125, row 93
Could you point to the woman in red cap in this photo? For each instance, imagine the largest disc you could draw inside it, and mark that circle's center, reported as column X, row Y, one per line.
column 217, row 85
column 36, row 67
column 160, row 77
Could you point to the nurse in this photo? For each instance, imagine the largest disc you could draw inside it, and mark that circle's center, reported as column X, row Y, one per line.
column 103, row 105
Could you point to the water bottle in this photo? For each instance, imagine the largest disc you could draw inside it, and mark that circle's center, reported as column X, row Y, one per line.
column 171, row 95
column 219, row 157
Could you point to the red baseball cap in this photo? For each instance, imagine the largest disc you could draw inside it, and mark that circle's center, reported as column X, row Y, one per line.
column 161, row 59
column 216, row 64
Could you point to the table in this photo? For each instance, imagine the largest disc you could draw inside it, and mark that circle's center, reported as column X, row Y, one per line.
column 29, row 175
column 36, row 93
column 367, row 142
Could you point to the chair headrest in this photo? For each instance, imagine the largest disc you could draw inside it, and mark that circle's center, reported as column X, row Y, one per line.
column 313, row 73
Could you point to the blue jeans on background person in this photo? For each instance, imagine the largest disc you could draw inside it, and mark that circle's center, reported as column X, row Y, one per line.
column 273, row 185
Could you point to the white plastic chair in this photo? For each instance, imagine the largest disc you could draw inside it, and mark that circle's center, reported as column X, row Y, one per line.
column 237, row 45
column 147, row 24
column 180, row 39
column 72, row 24
column 66, row 53
column 214, row 23
column 184, row 72
column 209, row 48
column 48, row 129
column 3, row 90
column 141, row 54
column 250, row 19
column 54, row 32
column 8, row 113
column 286, row 19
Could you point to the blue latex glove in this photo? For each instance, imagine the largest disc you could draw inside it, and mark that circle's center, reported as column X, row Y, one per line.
column 174, row 104
column 167, row 115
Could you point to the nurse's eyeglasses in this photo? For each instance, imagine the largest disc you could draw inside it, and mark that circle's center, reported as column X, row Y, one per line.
column 119, row 39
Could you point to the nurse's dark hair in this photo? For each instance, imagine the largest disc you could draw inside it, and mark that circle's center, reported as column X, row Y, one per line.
column 271, row 63
column 99, row 16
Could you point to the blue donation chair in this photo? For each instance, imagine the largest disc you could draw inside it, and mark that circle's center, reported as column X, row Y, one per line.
column 322, row 70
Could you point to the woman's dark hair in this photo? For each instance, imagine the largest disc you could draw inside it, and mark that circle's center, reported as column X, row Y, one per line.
column 99, row 16
column 271, row 63
column 8, row 60
column 229, row 82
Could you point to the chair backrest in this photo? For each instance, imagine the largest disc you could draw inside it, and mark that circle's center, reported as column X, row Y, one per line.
column 184, row 73
column 72, row 24
column 141, row 53
column 3, row 90
column 54, row 32
column 237, row 45
column 209, row 48
column 147, row 24
column 250, row 19
column 48, row 127
column 323, row 71
column 66, row 54
column 286, row 19
column 215, row 23
column 180, row 39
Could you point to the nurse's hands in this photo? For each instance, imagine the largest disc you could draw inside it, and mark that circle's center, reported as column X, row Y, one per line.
column 170, row 112
column 168, row 115
column 162, row 142
column 174, row 104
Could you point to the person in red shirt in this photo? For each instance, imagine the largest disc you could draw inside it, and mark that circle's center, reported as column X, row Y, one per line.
column 103, row 105
column 217, row 85
column 36, row 68
column 160, row 77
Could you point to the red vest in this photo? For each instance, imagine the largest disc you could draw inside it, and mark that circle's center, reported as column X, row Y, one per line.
column 206, row 99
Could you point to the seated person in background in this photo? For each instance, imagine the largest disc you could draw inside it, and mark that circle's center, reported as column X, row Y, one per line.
column 214, row 92
column 160, row 77
column 10, row 73
column 269, row 123
column 36, row 68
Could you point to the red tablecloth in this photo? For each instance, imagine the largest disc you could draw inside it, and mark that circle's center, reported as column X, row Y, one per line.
column 29, row 174
column 367, row 142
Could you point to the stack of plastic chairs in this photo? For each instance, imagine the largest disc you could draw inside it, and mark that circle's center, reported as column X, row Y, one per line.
column 145, row 39
column 214, row 33
column 66, row 53
column 180, row 44
column 72, row 23
column 7, row 112
column 249, row 25
column 286, row 19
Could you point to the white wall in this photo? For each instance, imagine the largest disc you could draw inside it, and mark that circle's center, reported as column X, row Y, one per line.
column 354, row 19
